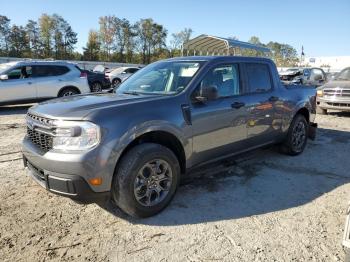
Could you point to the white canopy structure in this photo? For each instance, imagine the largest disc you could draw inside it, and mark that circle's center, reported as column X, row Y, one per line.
column 213, row 45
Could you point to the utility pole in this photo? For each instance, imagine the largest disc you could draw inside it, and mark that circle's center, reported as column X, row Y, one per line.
column 302, row 55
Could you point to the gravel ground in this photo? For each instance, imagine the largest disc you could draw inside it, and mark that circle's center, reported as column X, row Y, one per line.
column 263, row 206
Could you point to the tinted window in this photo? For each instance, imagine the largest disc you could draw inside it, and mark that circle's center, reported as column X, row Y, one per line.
column 225, row 78
column 133, row 70
column 49, row 70
column 258, row 76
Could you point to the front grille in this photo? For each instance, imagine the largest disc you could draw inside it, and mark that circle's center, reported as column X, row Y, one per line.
column 43, row 141
column 40, row 120
column 337, row 92
column 338, row 104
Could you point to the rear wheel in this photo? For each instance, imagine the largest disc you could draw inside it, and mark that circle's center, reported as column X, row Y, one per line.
column 116, row 82
column 297, row 136
column 146, row 180
column 96, row 87
column 69, row 91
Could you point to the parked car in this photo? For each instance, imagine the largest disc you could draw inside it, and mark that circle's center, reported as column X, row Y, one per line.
column 305, row 76
column 170, row 117
column 120, row 74
column 97, row 81
column 32, row 81
column 335, row 94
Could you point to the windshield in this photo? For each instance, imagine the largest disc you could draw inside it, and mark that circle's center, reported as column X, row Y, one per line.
column 344, row 75
column 4, row 67
column 165, row 78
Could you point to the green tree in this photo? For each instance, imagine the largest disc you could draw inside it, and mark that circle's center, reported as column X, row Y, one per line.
column 64, row 37
column 283, row 54
column 4, row 35
column 93, row 47
column 251, row 52
column 151, row 39
column 18, row 41
column 178, row 40
column 46, row 26
column 107, row 34
column 33, row 38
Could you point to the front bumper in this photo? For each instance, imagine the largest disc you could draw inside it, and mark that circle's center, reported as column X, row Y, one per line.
column 335, row 104
column 66, row 174
column 72, row 186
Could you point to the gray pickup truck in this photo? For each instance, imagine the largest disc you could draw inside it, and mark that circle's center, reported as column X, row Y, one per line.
column 168, row 118
column 335, row 95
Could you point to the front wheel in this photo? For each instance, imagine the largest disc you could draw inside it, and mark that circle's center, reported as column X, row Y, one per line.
column 146, row 180
column 297, row 136
column 96, row 87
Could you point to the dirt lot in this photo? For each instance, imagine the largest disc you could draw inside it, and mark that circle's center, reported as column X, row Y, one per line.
column 263, row 207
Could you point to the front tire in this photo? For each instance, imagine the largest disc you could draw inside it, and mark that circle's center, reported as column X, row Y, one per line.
column 146, row 180
column 296, row 140
column 96, row 87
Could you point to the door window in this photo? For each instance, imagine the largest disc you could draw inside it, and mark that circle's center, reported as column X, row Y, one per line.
column 20, row 72
column 225, row 78
column 258, row 78
column 49, row 70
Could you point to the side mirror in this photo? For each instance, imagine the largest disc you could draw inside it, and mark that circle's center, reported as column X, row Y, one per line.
column 207, row 93
column 4, row 77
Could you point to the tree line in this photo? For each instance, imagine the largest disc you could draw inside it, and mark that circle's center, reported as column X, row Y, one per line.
column 116, row 39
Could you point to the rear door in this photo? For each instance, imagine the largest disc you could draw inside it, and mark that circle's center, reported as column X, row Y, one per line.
column 18, row 86
column 261, row 98
column 49, row 79
column 219, row 126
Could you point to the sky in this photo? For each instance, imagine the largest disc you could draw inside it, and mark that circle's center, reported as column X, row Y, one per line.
column 322, row 27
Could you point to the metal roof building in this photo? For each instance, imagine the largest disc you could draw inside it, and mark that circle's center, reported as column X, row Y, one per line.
column 213, row 45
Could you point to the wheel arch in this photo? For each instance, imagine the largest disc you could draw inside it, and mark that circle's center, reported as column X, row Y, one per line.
column 304, row 112
column 163, row 138
column 66, row 87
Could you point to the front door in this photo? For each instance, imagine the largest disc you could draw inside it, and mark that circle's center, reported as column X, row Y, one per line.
column 219, row 125
column 18, row 86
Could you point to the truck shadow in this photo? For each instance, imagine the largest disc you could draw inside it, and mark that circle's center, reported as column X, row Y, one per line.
column 257, row 183
column 14, row 110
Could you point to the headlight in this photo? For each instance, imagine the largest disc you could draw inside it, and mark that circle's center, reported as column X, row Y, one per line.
column 319, row 92
column 75, row 135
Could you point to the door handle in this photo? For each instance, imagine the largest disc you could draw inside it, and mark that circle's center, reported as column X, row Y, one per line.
column 273, row 98
column 237, row 105
column 29, row 83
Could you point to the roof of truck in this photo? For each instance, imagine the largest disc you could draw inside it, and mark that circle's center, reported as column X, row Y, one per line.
column 219, row 58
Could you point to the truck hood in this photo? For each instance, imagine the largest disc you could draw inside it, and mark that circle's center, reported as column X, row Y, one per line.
column 336, row 84
column 78, row 107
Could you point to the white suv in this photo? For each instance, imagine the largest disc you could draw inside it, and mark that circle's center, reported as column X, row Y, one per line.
column 120, row 74
column 33, row 81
